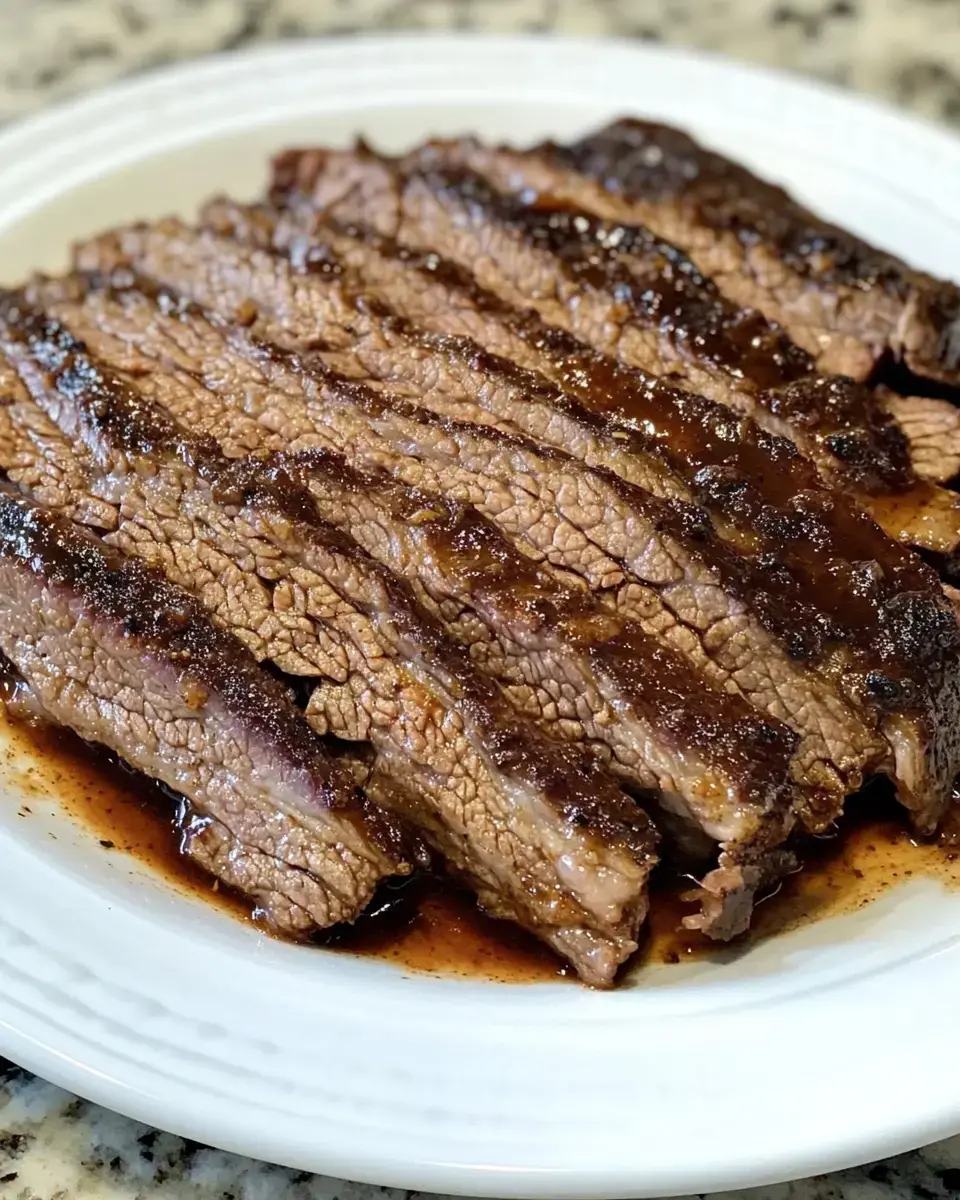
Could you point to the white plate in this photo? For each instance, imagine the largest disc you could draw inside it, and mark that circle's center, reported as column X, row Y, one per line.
column 815, row 1051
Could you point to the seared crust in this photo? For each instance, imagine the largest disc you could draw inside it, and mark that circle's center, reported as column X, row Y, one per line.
column 620, row 289
column 840, row 297
column 637, row 296
column 398, row 674
column 122, row 657
column 886, row 636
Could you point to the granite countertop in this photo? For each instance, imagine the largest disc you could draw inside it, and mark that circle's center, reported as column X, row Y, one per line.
column 54, row 1146
column 907, row 51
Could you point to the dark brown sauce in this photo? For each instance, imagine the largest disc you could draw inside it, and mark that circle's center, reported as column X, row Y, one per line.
column 655, row 165
column 124, row 810
column 432, row 926
column 738, row 472
column 872, row 851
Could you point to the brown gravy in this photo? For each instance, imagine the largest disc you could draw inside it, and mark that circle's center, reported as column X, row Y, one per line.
column 429, row 925
column 123, row 809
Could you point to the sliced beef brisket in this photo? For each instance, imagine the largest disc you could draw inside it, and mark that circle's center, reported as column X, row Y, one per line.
column 561, row 657
column 551, row 172
column 764, row 497
column 509, row 457
column 36, row 456
column 614, row 285
column 628, row 294
column 932, row 429
column 525, row 490
column 540, row 835
column 124, row 659
column 841, row 299
column 656, row 562
column 276, row 889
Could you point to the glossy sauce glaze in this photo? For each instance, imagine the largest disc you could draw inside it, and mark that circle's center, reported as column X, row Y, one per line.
column 430, row 925
column 806, row 546
column 742, row 475
column 122, row 809
column 626, row 276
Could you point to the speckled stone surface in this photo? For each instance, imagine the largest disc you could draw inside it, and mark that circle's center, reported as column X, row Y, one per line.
column 905, row 50
column 56, row 1147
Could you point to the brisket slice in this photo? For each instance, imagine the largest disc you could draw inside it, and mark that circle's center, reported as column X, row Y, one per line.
column 124, row 659
column 842, row 299
column 260, row 862
column 631, row 296
column 932, row 429
column 484, row 468
column 551, row 172
column 560, row 656
column 616, row 286
column 658, row 562
column 765, row 499
column 279, row 892
column 543, row 838
column 37, row 458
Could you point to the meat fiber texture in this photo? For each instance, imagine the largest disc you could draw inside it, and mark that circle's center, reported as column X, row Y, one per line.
column 479, row 449
column 543, row 836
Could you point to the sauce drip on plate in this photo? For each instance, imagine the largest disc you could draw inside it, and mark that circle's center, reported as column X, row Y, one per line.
column 430, row 925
